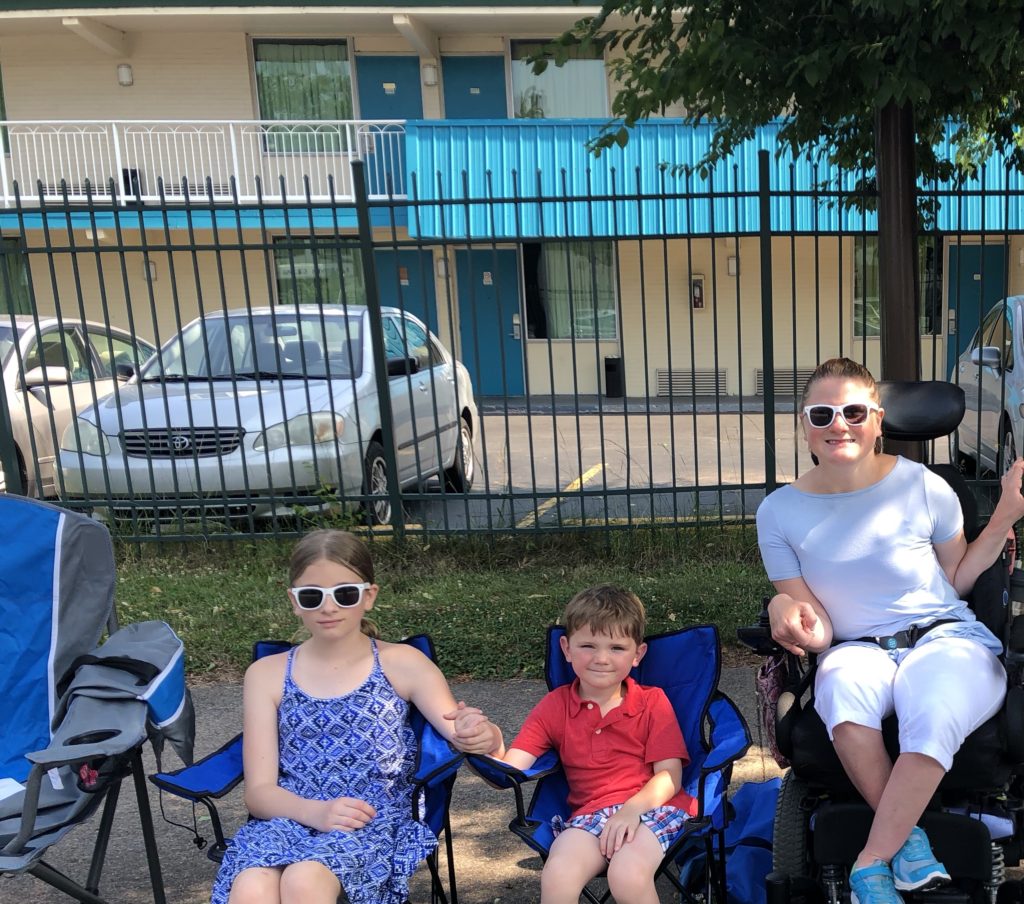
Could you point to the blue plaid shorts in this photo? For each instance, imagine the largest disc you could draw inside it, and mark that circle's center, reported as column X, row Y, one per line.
column 665, row 822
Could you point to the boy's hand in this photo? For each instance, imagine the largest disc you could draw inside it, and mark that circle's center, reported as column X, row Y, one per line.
column 343, row 814
column 618, row 830
column 474, row 732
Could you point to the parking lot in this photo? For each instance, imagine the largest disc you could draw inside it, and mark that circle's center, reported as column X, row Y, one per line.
column 546, row 469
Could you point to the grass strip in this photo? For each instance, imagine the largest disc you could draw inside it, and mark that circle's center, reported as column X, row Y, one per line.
column 486, row 602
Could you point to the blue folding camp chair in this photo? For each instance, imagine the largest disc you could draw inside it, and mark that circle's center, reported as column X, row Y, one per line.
column 437, row 766
column 686, row 664
column 74, row 718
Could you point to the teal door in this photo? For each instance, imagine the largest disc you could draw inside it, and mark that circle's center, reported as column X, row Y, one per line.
column 406, row 280
column 490, row 323
column 389, row 88
column 474, row 87
column 977, row 278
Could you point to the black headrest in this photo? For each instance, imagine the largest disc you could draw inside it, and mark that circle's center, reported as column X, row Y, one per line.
column 920, row 409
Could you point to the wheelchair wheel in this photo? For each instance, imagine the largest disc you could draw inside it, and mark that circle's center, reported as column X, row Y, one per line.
column 790, row 841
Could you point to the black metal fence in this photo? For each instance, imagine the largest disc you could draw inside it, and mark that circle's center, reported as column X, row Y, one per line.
column 388, row 362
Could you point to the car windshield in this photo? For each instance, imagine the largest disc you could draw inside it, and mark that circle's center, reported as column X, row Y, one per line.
column 263, row 346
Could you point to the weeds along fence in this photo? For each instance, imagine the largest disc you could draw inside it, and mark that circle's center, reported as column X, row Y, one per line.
column 489, row 352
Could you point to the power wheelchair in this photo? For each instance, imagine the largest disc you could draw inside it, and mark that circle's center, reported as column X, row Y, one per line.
column 976, row 817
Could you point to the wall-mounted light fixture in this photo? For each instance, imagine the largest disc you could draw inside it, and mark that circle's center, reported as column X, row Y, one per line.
column 125, row 76
column 442, row 268
column 732, row 265
column 429, row 73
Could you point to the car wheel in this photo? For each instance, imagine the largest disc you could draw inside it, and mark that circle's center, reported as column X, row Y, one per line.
column 1007, row 449
column 459, row 477
column 375, row 485
column 963, row 462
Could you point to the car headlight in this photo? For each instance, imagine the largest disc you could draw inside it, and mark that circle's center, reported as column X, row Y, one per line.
column 84, row 436
column 303, row 430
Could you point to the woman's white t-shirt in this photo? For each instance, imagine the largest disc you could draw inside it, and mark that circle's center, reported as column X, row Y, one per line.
column 868, row 555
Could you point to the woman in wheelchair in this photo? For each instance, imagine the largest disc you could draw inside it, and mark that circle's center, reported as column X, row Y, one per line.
column 868, row 555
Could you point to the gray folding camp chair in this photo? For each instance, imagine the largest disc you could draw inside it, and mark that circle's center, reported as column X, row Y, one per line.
column 75, row 716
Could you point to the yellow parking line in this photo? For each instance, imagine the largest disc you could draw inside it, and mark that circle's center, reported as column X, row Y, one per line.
column 548, row 504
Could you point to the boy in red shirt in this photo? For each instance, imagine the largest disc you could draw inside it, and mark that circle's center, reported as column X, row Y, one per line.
column 622, row 752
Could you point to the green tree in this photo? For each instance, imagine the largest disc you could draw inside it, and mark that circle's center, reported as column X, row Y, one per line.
column 867, row 84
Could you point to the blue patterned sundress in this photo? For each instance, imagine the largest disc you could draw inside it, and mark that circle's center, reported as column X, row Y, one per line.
column 357, row 745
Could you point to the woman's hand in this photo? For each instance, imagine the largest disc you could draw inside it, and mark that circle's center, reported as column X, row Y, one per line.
column 1011, row 498
column 795, row 625
column 343, row 814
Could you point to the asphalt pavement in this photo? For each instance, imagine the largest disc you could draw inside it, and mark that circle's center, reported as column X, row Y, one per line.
column 491, row 864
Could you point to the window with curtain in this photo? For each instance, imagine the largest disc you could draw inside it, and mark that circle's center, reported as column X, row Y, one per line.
column 570, row 290
column 304, row 80
column 866, row 311
column 577, row 89
column 317, row 272
column 15, row 291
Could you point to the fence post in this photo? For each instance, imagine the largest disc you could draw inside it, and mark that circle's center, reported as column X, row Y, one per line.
column 387, row 423
column 767, row 331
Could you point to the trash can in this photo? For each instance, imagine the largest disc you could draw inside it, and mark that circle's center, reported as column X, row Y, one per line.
column 614, row 378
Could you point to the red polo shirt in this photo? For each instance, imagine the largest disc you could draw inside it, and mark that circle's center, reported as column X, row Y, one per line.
column 607, row 759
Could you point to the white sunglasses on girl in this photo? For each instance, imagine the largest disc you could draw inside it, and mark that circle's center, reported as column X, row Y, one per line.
column 345, row 595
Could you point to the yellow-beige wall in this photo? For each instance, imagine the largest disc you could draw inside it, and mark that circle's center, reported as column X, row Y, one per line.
column 653, row 324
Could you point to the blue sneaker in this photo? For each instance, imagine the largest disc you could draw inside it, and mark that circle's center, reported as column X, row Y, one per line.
column 873, row 885
column 914, row 868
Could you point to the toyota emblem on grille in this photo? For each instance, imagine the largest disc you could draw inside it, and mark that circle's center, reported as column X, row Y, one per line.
column 180, row 442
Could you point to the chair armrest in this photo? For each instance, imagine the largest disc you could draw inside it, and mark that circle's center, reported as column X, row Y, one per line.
column 211, row 777
column 729, row 740
column 436, row 759
column 729, row 735
column 500, row 775
column 92, row 728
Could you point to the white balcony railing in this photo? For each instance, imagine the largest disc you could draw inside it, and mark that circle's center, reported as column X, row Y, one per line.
column 269, row 160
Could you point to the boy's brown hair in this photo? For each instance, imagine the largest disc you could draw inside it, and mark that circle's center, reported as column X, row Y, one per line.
column 606, row 609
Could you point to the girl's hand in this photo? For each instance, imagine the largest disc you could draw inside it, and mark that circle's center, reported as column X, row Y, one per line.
column 343, row 814
column 474, row 732
column 620, row 829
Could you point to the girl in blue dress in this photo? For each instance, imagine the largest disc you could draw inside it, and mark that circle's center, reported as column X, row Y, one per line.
column 328, row 751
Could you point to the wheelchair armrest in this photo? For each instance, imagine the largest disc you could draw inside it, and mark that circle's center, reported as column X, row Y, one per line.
column 211, row 777
column 759, row 637
column 1016, row 640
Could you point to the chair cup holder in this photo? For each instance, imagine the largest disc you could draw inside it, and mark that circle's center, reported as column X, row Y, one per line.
column 91, row 737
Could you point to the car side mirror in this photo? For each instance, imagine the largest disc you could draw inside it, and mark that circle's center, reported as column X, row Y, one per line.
column 124, row 371
column 399, row 367
column 46, row 376
column 989, row 356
